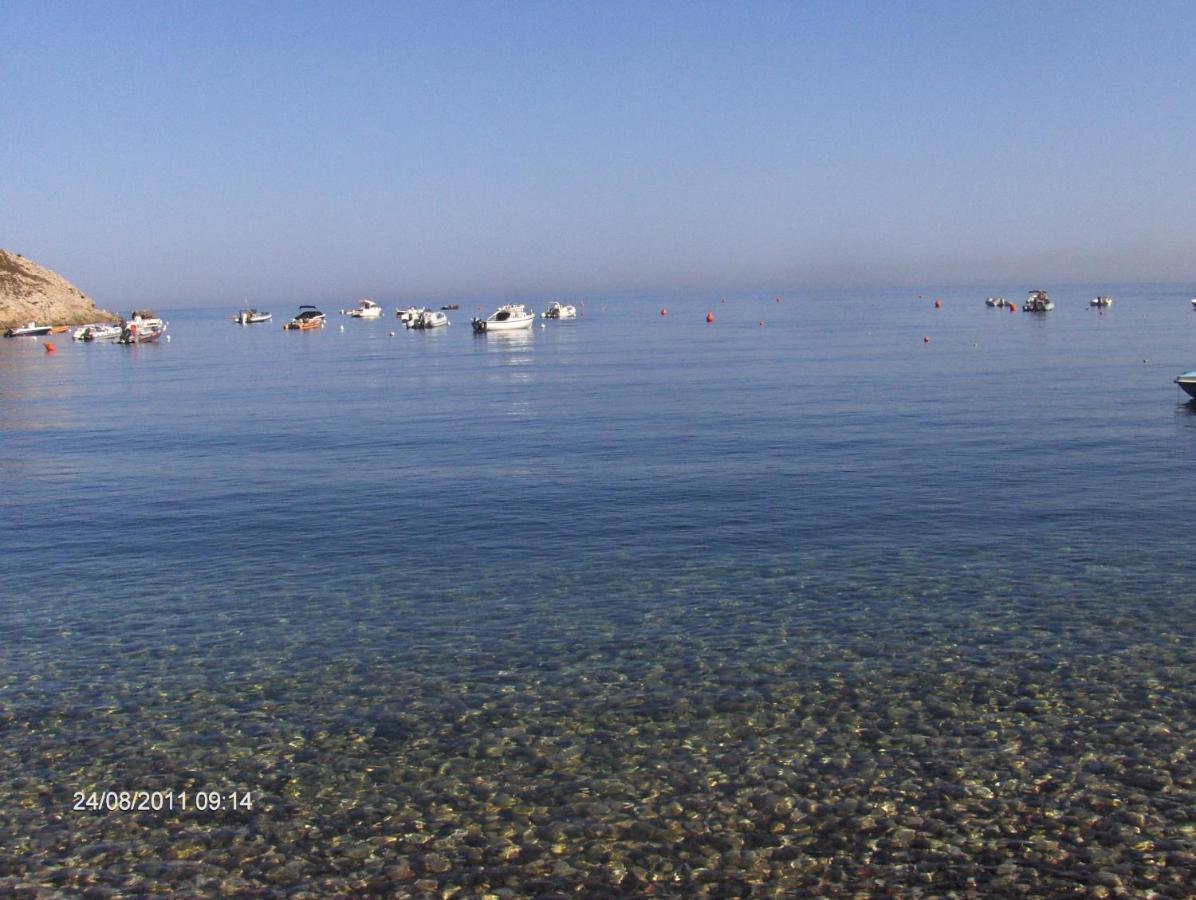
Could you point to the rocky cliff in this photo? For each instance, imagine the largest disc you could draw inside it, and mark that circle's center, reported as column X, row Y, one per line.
column 29, row 293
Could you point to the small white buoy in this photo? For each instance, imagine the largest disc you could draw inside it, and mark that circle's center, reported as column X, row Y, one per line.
column 542, row 325
column 168, row 339
column 392, row 334
column 342, row 328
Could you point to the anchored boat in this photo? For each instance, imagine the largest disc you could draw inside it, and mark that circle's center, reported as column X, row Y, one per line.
column 1187, row 381
column 558, row 310
column 429, row 318
column 309, row 317
column 141, row 332
column 251, row 317
column 365, row 309
column 508, row 317
column 97, row 332
column 29, row 329
column 410, row 314
column 1038, row 301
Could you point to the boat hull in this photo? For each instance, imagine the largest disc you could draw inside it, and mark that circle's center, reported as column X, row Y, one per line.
column 140, row 336
column 1187, row 381
column 97, row 333
column 305, row 325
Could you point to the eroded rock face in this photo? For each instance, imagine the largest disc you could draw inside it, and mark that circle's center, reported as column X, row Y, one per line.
column 30, row 293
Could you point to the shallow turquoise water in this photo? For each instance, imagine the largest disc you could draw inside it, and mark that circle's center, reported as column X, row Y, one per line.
column 780, row 591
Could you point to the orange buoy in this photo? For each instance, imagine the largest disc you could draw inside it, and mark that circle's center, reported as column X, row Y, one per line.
column 1013, row 307
column 50, row 348
column 938, row 304
column 709, row 317
column 663, row 311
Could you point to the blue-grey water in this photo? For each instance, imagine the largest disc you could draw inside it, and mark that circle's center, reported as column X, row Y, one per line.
column 794, row 601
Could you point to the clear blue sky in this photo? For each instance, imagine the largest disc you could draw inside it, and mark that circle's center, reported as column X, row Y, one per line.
column 215, row 153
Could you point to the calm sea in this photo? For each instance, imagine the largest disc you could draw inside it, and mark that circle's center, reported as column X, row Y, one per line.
column 794, row 600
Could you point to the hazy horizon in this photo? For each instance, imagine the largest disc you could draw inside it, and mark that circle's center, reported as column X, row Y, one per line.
column 234, row 153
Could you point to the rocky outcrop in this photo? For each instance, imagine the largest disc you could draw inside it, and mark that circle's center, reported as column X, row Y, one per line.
column 29, row 293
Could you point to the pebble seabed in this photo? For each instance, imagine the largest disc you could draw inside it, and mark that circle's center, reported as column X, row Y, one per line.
column 882, row 737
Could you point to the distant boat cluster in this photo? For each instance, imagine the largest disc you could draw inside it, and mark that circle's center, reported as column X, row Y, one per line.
column 1040, row 301
column 508, row 317
column 141, row 327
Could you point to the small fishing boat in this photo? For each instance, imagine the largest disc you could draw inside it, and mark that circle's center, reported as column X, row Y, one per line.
column 999, row 302
column 1187, row 381
column 508, row 317
column 1038, row 301
column 365, row 309
column 251, row 317
column 1102, row 300
column 97, row 332
column 557, row 310
column 139, row 332
column 429, row 319
column 451, row 306
column 309, row 317
column 29, row 329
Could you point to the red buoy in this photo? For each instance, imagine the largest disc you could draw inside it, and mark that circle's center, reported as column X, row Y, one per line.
column 925, row 339
column 663, row 311
column 938, row 304
column 1013, row 307
column 709, row 317
column 50, row 348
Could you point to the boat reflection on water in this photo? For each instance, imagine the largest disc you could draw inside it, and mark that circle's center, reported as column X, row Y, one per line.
column 504, row 341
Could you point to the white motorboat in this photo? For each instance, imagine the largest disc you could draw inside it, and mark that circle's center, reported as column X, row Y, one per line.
column 29, row 329
column 251, row 317
column 144, row 318
column 141, row 331
column 1038, row 301
column 365, row 309
column 1102, row 300
column 508, row 317
column 410, row 314
column 97, row 332
column 429, row 318
column 558, row 310
column 1194, row 303
column 999, row 302
column 1187, row 381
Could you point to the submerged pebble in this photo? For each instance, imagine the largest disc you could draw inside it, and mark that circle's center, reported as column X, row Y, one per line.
column 865, row 741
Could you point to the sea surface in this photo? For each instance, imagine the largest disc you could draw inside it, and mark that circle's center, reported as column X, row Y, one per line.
column 839, row 593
